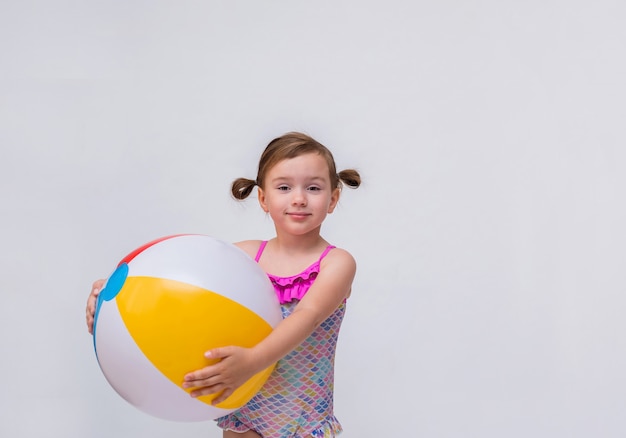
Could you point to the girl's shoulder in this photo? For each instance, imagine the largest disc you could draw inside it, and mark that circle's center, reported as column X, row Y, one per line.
column 339, row 257
column 250, row 247
column 337, row 268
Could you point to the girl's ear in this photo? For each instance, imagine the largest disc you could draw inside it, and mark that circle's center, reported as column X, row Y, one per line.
column 262, row 203
column 334, row 199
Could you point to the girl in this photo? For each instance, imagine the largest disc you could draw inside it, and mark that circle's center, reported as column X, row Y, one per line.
column 298, row 185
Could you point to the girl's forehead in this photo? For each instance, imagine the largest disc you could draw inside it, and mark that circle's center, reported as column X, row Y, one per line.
column 311, row 163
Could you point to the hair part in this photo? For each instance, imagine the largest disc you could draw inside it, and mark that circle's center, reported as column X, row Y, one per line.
column 291, row 145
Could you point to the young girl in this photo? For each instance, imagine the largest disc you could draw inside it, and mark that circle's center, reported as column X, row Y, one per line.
column 298, row 185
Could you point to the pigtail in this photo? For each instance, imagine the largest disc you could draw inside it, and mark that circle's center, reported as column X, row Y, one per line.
column 350, row 177
column 242, row 187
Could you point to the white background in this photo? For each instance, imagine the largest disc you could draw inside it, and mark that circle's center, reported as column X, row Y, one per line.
column 489, row 229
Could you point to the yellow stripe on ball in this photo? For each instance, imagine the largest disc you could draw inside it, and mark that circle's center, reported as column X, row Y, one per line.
column 180, row 322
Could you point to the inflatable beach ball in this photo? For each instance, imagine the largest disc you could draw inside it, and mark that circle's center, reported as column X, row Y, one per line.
column 165, row 305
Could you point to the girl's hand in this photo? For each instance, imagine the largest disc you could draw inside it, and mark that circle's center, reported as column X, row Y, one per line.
column 91, row 302
column 235, row 367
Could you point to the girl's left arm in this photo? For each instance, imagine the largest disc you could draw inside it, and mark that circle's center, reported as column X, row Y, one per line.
column 237, row 364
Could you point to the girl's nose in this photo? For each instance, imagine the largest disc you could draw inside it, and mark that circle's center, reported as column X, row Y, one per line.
column 299, row 197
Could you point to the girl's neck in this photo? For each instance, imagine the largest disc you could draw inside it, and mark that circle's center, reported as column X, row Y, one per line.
column 300, row 243
column 289, row 255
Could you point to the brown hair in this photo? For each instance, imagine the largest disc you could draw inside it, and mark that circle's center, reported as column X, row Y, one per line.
column 291, row 145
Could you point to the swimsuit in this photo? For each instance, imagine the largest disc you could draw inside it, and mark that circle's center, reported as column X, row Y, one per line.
column 297, row 399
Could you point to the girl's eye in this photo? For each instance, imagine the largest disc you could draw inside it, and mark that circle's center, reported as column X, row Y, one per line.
column 283, row 188
column 314, row 188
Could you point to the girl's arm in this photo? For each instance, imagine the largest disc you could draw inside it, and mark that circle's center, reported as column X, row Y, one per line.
column 331, row 287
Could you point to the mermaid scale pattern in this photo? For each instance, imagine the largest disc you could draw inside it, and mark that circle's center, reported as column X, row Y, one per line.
column 297, row 399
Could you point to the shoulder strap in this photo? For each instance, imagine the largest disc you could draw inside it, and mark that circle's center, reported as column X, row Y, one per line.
column 260, row 251
column 326, row 251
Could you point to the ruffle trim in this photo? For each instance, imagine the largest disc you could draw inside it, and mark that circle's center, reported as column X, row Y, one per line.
column 227, row 422
column 294, row 287
column 331, row 427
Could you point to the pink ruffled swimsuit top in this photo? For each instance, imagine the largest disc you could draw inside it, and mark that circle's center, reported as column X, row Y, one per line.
column 294, row 287
column 297, row 399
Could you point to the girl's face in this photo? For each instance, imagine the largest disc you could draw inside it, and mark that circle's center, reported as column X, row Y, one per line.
column 298, row 195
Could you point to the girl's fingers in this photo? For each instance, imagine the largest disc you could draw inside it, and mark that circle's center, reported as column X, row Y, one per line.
column 90, row 321
column 206, row 378
column 207, row 390
column 200, row 377
column 195, row 379
column 223, row 396
column 199, row 383
column 96, row 287
column 203, row 385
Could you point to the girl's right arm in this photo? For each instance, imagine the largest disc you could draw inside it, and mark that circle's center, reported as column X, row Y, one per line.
column 238, row 364
column 91, row 302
